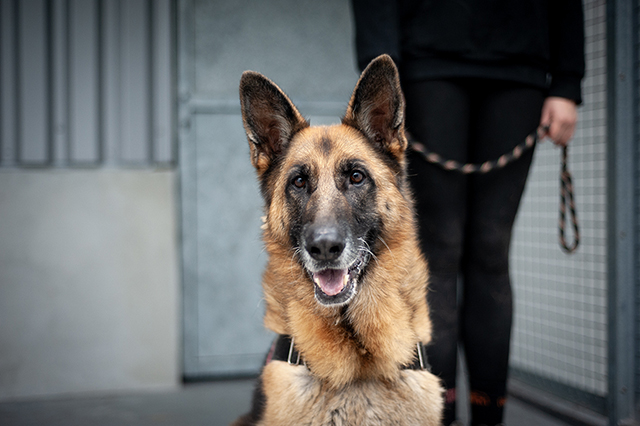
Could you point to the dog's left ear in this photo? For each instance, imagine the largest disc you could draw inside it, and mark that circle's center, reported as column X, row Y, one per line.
column 270, row 118
column 376, row 107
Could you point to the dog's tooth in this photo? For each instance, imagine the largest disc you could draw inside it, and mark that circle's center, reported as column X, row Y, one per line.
column 345, row 278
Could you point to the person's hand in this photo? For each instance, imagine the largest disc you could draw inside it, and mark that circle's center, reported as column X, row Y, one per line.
column 559, row 118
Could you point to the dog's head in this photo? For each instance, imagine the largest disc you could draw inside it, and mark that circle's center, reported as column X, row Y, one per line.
column 327, row 189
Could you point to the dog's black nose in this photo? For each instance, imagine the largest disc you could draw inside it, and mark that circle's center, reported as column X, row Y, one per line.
column 324, row 243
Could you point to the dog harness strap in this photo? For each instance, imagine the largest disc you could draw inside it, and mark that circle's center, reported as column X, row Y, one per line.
column 284, row 349
column 420, row 362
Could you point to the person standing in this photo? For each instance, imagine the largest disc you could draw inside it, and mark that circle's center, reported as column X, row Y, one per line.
column 478, row 77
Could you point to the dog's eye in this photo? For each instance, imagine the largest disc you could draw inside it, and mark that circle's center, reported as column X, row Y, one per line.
column 299, row 182
column 357, row 177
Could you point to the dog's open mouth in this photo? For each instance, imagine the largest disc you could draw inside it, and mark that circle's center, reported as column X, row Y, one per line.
column 338, row 286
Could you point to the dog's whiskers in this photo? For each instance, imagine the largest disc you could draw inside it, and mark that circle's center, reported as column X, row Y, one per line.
column 385, row 244
column 295, row 251
column 366, row 248
column 364, row 242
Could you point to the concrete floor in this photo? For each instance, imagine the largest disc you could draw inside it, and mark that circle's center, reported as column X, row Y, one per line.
column 211, row 404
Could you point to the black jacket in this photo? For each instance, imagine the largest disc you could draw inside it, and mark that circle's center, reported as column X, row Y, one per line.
column 536, row 42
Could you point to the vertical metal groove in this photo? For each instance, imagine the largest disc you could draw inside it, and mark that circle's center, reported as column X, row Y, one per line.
column 8, row 86
column 84, row 53
column 60, row 82
column 49, row 82
column 34, row 83
column 100, row 76
column 173, row 75
column 111, row 82
column 135, row 66
column 150, row 81
column 162, row 76
column 17, row 80
column 67, row 89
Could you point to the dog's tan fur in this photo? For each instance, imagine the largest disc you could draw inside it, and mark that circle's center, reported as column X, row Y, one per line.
column 354, row 353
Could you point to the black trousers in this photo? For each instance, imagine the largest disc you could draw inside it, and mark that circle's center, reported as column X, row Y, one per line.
column 465, row 225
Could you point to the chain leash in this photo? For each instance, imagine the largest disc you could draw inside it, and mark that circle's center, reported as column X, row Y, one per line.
column 566, row 182
column 566, row 195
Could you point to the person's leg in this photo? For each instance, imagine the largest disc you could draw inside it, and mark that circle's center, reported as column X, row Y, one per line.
column 503, row 115
column 438, row 115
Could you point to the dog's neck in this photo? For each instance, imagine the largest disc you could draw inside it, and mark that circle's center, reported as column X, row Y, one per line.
column 371, row 337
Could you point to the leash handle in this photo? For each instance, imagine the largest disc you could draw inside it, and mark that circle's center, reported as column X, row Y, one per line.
column 566, row 198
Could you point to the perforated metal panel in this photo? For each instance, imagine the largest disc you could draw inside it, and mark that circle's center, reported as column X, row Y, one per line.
column 560, row 332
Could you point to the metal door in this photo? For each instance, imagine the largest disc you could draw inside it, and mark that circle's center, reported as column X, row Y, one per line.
column 305, row 46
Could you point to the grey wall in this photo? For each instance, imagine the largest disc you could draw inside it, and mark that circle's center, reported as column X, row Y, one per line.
column 88, row 282
column 89, row 258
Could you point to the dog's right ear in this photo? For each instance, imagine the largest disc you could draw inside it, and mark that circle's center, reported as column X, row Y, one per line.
column 270, row 118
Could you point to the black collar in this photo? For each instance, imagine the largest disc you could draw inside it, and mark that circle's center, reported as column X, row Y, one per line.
column 283, row 349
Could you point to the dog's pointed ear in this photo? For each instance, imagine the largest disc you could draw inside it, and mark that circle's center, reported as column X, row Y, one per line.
column 376, row 107
column 270, row 118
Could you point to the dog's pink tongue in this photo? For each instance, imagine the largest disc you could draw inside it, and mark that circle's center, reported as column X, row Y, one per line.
column 331, row 281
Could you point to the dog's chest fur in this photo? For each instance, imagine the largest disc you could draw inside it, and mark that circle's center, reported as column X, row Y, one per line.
column 295, row 397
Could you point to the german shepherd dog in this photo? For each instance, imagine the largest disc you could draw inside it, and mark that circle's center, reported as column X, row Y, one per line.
column 345, row 283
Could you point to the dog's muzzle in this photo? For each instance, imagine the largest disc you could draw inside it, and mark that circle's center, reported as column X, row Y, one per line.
column 334, row 264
